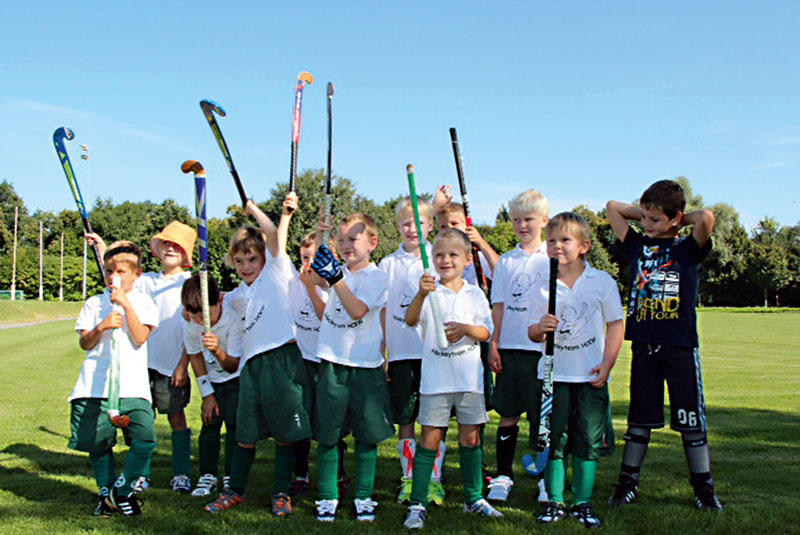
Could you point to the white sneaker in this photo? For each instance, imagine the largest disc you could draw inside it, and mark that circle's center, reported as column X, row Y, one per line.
column 206, row 485
column 365, row 509
column 181, row 483
column 543, row 497
column 416, row 517
column 141, row 484
column 482, row 508
column 500, row 488
column 326, row 510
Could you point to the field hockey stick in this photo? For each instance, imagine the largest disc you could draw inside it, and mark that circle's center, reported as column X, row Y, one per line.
column 437, row 318
column 209, row 107
column 193, row 166
column 543, row 443
column 482, row 282
column 113, row 370
column 302, row 78
column 329, row 175
column 59, row 136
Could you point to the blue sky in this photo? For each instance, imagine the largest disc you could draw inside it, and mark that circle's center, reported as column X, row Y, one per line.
column 585, row 101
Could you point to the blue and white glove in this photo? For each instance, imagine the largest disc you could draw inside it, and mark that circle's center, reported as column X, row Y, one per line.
column 326, row 266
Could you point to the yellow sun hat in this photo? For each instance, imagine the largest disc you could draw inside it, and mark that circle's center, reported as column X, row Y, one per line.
column 180, row 234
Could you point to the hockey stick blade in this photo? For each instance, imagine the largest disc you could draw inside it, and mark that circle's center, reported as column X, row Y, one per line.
column 209, row 108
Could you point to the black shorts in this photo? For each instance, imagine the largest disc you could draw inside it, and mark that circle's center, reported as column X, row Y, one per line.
column 404, row 376
column 680, row 368
column 168, row 399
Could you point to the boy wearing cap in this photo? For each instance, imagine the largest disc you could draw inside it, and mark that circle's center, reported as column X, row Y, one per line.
column 167, row 362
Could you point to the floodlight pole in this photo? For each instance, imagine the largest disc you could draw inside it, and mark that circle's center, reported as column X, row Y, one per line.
column 14, row 257
column 85, row 148
column 61, row 271
column 41, row 263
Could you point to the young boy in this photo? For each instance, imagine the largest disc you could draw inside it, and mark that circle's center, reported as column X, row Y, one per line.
column 662, row 324
column 91, row 428
column 272, row 398
column 351, row 385
column 404, row 345
column 214, row 357
column 588, row 334
column 513, row 356
column 451, row 215
column 452, row 378
column 166, row 360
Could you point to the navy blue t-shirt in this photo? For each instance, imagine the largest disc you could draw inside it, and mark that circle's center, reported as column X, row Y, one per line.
column 663, row 284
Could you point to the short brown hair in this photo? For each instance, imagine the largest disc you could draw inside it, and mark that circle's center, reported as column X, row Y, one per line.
column 192, row 297
column 123, row 251
column 665, row 195
column 451, row 208
column 370, row 227
column 247, row 240
column 310, row 240
column 573, row 223
column 456, row 235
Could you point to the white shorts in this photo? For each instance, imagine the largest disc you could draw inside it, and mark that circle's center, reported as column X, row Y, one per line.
column 435, row 409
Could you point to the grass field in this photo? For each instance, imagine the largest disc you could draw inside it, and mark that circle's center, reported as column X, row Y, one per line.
column 15, row 312
column 752, row 379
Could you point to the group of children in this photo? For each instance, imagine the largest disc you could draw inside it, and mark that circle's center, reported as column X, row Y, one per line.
column 342, row 346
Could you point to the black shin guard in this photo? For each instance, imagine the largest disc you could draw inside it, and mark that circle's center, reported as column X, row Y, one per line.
column 506, row 446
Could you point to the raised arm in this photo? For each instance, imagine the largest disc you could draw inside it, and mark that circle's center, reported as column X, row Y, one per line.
column 703, row 221
column 427, row 284
column 619, row 213
column 266, row 225
column 289, row 207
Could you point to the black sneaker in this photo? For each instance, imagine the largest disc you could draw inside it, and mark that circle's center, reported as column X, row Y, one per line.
column 103, row 509
column 586, row 515
column 705, row 498
column 553, row 512
column 624, row 492
column 129, row 505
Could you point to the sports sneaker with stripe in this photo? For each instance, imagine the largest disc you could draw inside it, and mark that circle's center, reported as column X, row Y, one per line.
column 299, row 486
column 141, row 484
column 435, row 492
column 206, row 485
column 500, row 488
column 281, row 504
column 326, row 510
column 227, row 499
column 586, row 515
column 365, row 509
column 415, row 518
column 482, row 508
column 128, row 505
column 103, row 508
column 705, row 498
column 553, row 512
column 624, row 492
column 404, row 496
column 181, row 483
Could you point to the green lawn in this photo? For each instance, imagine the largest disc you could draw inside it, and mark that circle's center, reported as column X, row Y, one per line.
column 12, row 312
column 752, row 378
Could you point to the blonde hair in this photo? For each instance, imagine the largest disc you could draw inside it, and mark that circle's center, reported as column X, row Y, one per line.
column 456, row 235
column 572, row 223
column 452, row 208
column 370, row 227
column 123, row 251
column 404, row 207
column 310, row 240
column 529, row 201
column 246, row 240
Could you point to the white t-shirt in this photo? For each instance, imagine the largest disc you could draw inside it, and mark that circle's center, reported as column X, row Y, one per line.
column 264, row 307
column 516, row 274
column 469, row 272
column 228, row 330
column 134, row 380
column 404, row 270
column 165, row 344
column 306, row 322
column 583, row 312
column 350, row 342
column 457, row 368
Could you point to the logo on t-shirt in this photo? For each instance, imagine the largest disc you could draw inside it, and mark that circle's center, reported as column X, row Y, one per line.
column 573, row 325
column 521, row 286
column 655, row 293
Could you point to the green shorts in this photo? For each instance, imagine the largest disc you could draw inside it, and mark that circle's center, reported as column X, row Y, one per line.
column 168, row 399
column 404, row 378
column 518, row 388
column 357, row 398
column 272, row 400
column 580, row 423
column 227, row 396
column 91, row 430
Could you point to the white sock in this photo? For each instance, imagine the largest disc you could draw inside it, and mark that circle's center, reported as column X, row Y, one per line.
column 436, row 473
column 406, row 448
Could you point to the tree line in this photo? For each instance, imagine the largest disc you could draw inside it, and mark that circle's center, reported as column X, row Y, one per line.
column 756, row 268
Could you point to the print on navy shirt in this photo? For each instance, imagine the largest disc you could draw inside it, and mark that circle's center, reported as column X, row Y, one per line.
column 655, row 294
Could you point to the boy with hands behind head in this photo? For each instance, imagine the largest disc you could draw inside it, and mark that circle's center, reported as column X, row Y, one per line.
column 452, row 378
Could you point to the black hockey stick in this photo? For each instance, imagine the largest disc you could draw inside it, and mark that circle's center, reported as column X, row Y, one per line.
column 209, row 107
column 329, row 175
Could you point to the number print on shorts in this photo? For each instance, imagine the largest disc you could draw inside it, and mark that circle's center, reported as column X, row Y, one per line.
column 687, row 418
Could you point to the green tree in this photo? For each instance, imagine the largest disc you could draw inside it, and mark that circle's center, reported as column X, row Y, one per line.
column 768, row 262
column 721, row 276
